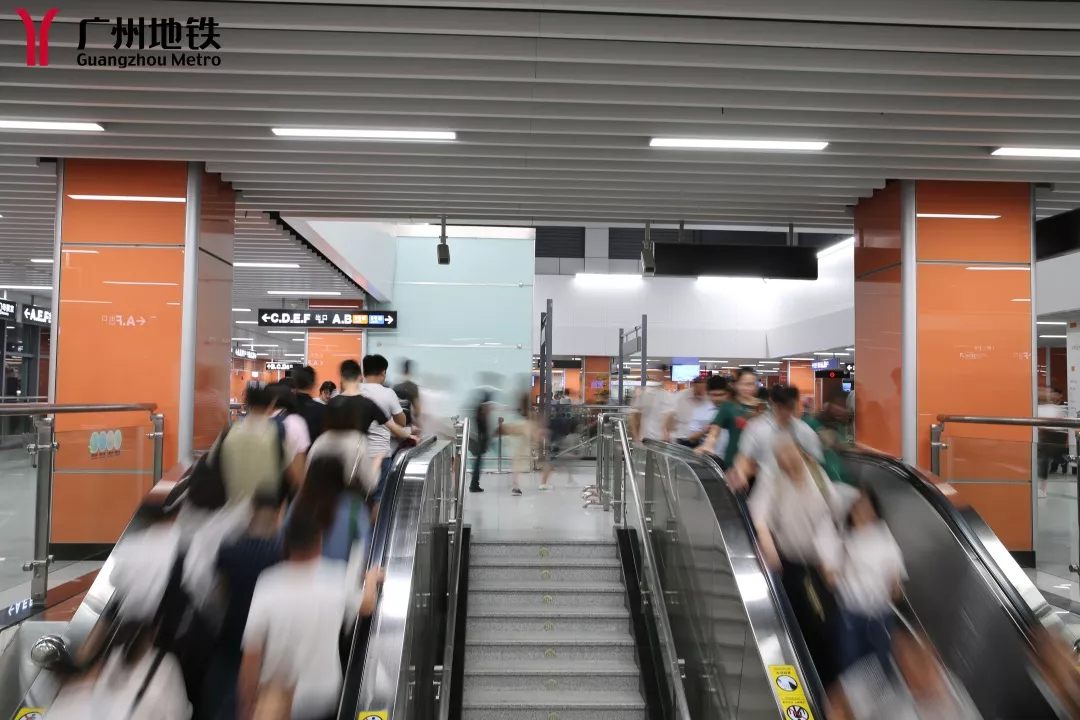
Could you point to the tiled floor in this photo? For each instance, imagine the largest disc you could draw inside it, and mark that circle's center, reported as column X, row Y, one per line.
column 553, row 514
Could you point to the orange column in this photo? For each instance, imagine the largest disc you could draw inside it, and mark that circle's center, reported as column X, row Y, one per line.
column 327, row 349
column 597, row 380
column 123, row 226
column 801, row 375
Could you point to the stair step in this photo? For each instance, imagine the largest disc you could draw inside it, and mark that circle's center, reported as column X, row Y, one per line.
column 543, row 569
column 520, row 593
column 552, row 619
column 544, row 675
column 534, row 549
column 556, row 648
column 547, row 705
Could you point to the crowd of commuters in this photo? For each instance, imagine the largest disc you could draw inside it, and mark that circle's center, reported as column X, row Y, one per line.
column 239, row 604
column 841, row 569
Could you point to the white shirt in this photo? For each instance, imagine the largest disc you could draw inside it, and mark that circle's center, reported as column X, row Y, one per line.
column 868, row 564
column 200, row 576
column 297, row 613
column 387, row 400
column 1049, row 410
column 798, row 515
column 758, row 440
column 141, row 568
column 692, row 414
column 654, row 404
column 297, row 437
column 111, row 693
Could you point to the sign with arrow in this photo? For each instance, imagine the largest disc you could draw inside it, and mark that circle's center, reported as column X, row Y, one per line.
column 317, row 318
column 36, row 315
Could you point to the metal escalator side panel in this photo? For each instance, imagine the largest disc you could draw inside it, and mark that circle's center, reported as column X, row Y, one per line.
column 981, row 638
column 727, row 618
column 390, row 664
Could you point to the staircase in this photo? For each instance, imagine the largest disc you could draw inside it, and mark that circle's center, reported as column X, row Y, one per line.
column 548, row 634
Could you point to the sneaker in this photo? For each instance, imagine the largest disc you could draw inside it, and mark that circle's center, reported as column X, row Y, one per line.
column 515, row 491
column 475, row 488
column 1042, row 493
column 545, row 486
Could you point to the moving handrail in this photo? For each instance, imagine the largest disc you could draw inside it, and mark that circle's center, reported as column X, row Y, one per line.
column 815, row 690
column 456, row 547
column 655, row 588
column 64, row 409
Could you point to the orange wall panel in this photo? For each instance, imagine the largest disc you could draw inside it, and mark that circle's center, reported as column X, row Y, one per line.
column 1006, row 239
column 327, row 349
column 1006, row 508
column 212, row 350
column 801, row 375
column 878, row 313
column 877, row 230
column 110, row 221
column 217, row 217
column 974, row 351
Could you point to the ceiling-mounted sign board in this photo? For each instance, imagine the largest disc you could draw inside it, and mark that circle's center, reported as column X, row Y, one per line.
column 313, row 317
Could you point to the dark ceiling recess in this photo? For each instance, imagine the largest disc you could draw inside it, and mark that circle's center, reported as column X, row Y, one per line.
column 1057, row 235
column 560, row 242
column 762, row 261
column 625, row 243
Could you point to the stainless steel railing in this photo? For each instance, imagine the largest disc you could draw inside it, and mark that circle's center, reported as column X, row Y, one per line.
column 454, row 523
column 938, row 429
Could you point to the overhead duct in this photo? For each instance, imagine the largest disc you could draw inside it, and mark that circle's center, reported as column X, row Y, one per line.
column 784, row 262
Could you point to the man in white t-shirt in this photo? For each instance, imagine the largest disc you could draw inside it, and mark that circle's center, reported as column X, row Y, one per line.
column 690, row 414
column 651, row 406
column 379, row 447
column 298, row 611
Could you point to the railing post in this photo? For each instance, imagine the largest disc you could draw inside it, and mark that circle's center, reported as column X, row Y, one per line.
column 158, row 436
column 41, row 450
column 935, row 448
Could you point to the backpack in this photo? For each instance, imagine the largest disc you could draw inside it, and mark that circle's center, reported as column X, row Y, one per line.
column 206, row 482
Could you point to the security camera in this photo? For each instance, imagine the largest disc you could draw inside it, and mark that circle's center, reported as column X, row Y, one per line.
column 648, row 262
column 444, row 253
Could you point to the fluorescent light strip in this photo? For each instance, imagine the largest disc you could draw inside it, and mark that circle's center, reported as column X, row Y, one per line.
column 41, row 260
column 311, row 293
column 1051, row 322
column 1037, row 152
column 284, row 332
column 139, row 282
column 246, row 322
column 129, row 198
column 242, row 339
column 298, row 339
column 726, row 144
column 241, row 309
column 770, row 362
column 1054, row 337
column 299, row 355
column 999, row 268
column 833, row 249
column 265, row 265
column 26, row 287
column 357, row 134
column 50, row 125
column 609, row 281
column 830, row 354
column 799, row 359
column 850, row 349
column 79, row 252
column 957, row 216
column 1021, row 299
column 255, row 345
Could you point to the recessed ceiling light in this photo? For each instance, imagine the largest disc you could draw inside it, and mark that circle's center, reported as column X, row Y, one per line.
column 49, row 125
column 298, row 339
column 265, row 265
column 833, row 249
column 26, row 287
column 1054, row 337
column 957, row 216
column 1052, row 322
column 850, row 349
column 241, row 309
column 129, row 198
column 728, row 144
column 302, row 292
column 1038, row 152
column 41, row 260
column 357, row 134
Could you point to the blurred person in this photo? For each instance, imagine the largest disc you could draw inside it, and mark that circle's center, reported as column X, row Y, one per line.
column 239, row 563
column 380, row 448
column 1056, row 662
column 1053, row 443
column 832, row 424
column 344, row 518
column 134, row 680
column 326, row 391
column 299, row 609
column 793, row 507
column 408, row 393
column 367, row 414
column 865, row 567
column 254, row 454
column 482, row 432
column 306, row 405
column 650, row 408
column 757, row 441
column 718, row 391
column 732, row 416
column 691, row 411
column 523, row 433
column 297, row 439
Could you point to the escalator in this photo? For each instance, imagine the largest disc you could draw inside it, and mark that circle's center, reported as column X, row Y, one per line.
column 31, row 664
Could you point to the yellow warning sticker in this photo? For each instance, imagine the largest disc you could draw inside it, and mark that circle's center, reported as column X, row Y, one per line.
column 31, row 714
column 789, row 690
column 373, row 715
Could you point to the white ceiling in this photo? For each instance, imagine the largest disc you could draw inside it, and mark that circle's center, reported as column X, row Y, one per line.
column 554, row 103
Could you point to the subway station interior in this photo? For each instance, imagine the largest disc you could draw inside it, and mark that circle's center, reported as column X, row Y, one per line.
column 621, row 255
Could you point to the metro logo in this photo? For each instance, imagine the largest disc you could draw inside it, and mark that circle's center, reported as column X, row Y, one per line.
column 37, row 43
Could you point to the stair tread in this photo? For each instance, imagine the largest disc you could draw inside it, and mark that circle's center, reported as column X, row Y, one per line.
column 507, row 561
column 549, row 667
column 514, row 637
column 550, row 612
column 547, row 698
column 542, row 543
column 545, row 586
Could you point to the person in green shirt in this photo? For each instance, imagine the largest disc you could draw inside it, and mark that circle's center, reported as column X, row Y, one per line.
column 732, row 417
column 832, row 426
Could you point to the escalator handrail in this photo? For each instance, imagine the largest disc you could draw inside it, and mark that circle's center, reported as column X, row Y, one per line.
column 815, row 689
column 350, row 687
column 1018, row 609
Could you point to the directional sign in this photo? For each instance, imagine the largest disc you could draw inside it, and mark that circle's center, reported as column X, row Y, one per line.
column 279, row 366
column 35, row 315
column 7, row 310
column 830, row 364
column 244, row 353
column 314, row 317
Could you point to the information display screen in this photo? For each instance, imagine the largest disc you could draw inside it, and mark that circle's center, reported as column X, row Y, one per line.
column 685, row 373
